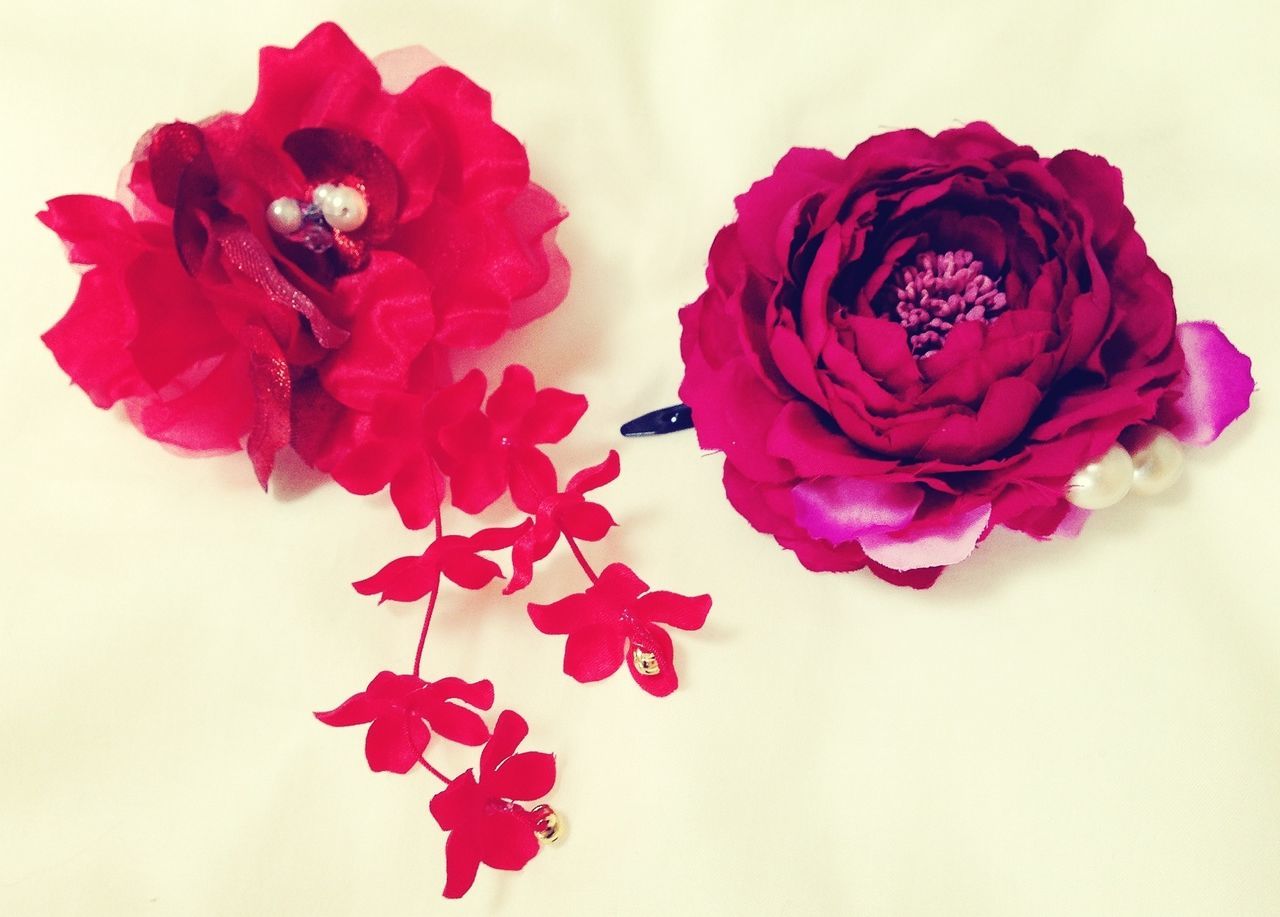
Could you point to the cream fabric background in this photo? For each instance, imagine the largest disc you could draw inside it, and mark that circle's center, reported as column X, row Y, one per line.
column 1087, row 727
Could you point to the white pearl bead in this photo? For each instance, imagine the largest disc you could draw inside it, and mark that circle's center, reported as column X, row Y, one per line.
column 1103, row 482
column 344, row 208
column 284, row 215
column 1157, row 463
column 321, row 194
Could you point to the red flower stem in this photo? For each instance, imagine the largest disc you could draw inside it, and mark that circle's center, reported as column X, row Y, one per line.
column 433, row 770
column 426, row 623
column 431, row 603
column 582, row 561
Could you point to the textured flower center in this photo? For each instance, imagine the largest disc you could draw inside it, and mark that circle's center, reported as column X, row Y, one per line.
column 939, row 292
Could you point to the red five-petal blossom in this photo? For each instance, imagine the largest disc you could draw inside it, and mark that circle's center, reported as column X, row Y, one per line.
column 400, row 708
column 616, row 617
column 484, row 822
column 565, row 512
column 485, row 452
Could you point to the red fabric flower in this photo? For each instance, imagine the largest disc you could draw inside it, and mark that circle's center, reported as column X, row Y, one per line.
column 615, row 618
column 456, row 557
column 402, row 710
column 484, row 821
column 486, row 452
column 566, row 512
column 900, row 350
column 218, row 324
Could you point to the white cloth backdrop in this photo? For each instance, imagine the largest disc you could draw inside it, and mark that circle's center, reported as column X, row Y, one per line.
column 1087, row 727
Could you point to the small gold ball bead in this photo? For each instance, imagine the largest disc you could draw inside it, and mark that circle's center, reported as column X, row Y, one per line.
column 547, row 825
column 646, row 662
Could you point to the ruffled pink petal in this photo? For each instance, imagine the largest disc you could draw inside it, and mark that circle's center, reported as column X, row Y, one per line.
column 593, row 653
column 842, row 509
column 931, row 543
column 1216, row 385
column 394, row 743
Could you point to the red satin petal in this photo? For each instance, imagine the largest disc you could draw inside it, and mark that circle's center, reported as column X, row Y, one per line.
column 462, row 862
column 513, row 399
column 416, row 490
column 405, row 579
column 508, row 733
column 595, row 476
column 468, row 570
column 593, row 652
column 509, row 842
column 529, row 775
column 585, row 521
column 95, row 230
column 457, row 724
column 91, row 341
column 564, row 615
column 532, row 477
column 554, row 415
column 682, row 611
column 395, row 742
column 354, row 711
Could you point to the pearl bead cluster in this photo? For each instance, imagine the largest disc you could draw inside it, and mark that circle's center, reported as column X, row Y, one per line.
column 1152, row 467
column 344, row 208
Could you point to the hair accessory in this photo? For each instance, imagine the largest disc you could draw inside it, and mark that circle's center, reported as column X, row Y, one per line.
column 903, row 349
column 313, row 274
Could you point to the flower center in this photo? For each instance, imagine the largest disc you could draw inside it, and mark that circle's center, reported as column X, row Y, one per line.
column 939, row 292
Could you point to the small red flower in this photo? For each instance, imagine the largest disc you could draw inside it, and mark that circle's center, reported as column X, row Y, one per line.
column 614, row 619
column 484, row 822
column 456, row 557
column 485, row 452
column 402, row 710
column 566, row 512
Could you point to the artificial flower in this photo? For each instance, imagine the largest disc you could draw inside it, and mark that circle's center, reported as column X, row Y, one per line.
column 455, row 557
column 902, row 349
column 566, row 512
column 268, row 277
column 485, row 821
column 616, row 618
column 402, row 711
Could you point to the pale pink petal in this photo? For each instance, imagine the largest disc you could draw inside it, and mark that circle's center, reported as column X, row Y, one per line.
column 841, row 509
column 1216, row 384
column 934, row 543
column 399, row 68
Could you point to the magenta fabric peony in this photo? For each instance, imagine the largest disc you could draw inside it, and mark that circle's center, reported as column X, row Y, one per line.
column 900, row 350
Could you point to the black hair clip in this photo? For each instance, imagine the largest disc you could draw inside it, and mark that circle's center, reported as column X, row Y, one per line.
column 663, row 420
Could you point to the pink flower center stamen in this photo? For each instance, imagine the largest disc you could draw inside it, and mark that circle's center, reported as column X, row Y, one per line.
column 939, row 292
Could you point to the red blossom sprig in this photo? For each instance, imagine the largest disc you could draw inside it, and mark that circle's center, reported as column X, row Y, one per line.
column 480, row 448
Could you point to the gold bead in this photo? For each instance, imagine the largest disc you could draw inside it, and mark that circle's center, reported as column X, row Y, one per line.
column 646, row 662
column 547, row 824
